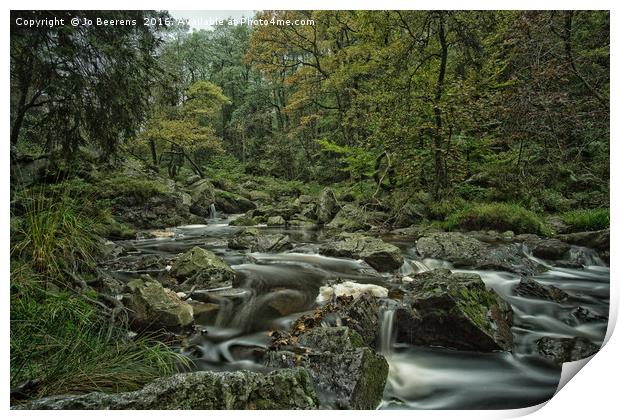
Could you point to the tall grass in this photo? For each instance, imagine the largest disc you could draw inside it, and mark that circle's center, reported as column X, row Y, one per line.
column 584, row 220
column 58, row 336
column 57, row 233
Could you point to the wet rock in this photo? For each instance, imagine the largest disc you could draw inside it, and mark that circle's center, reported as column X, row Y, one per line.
column 453, row 310
column 326, row 206
column 202, row 196
column 580, row 256
column 378, row 254
column 286, row 301
column 228, row 202
column 202, row 268
column 332, row 339
column 352, row 218
column 205, row 313
column 137, row 263
column 256, row 242
column 153, row 307
column 598, row 240
column 276, row 221
column 345, row 375
column 585, row 315
column 560, row 350
column 531, row 288
column 466, row 251
column 205, row 390
column 546, row 248
column 414, row 232
column 359, row 314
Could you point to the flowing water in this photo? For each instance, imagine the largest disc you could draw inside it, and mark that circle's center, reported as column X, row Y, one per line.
column 275, row 289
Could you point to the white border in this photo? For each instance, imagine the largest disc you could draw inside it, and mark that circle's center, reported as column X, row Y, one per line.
column 591, row 395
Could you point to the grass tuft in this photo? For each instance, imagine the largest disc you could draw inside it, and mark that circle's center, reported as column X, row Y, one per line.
column 585, row 220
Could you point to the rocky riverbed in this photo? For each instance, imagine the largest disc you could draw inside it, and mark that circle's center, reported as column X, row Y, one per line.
column 309, row 306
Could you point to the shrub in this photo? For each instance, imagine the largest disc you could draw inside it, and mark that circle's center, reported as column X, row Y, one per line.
column 584, row 220
column 498, row 216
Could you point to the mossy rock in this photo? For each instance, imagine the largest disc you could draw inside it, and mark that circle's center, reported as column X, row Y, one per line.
column 283, row 389
column 454, row 310
column 153, row 307
column 202, row 268
column 378, row 254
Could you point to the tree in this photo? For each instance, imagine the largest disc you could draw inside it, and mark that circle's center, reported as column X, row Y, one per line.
column 73, row 85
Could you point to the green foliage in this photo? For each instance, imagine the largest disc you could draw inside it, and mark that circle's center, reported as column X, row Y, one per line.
column 139, row 189
column 497, row 216
column 60, row 340
column 584, row 220
column 355, row 161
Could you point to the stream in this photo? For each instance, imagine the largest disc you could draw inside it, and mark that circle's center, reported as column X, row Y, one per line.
column 275, row 289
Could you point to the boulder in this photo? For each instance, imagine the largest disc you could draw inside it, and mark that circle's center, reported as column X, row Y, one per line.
column 360, row 314
column 560, row 350
column 202, row 196
column 546, row 248
column 453, row 310
column 276, row 221
column 345, row 374
column 256, row 242
column 378, row 254
column 232, row 203
column 158, row 211
column 466, row 251
column 202, row 268
column 583, row 314
column 352, row 218
column 530, row 288
column 205, row 390
column 243, row 221
column 153, row 307
column 598, row 240
column 326, row 206
column 408, row 214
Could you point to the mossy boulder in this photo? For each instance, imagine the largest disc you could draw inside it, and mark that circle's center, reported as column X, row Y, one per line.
column 202, row 194
column 276, row 221
column 351, row 218
column 202, row 268
column 260, row 243
column 378, row 254
column 243, row 220
column 153, row 307
column 228, row 202
column 283, row 389
column 326, row 206
column 453, row 310
column 345, row 373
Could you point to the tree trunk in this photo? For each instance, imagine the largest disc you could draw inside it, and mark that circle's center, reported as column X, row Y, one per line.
column 441, row 176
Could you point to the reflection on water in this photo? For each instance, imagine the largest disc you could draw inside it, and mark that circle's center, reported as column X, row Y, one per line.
column 275, row 289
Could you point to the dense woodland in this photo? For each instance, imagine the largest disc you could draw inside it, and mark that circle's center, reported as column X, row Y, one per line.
column 452, row 119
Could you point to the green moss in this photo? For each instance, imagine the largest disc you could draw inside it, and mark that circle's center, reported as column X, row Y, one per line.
column 244, row 221
column 497, row 216
column 585, row 220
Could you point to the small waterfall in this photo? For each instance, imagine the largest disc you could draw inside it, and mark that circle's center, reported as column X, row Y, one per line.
column 212, row 212
column 585, row 256
column 386, row 332
column 420, row 267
